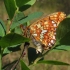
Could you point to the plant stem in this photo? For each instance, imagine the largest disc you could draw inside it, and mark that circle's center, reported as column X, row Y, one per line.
column 8, row 26
column 25, row 47
column 15, row 65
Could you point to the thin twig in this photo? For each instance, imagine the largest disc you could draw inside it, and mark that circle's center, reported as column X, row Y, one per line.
column 15, row 65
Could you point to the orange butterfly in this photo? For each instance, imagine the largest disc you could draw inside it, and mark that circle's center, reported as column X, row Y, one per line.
column 43, row 31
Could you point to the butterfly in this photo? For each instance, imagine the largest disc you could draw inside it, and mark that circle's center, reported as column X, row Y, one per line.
column 43, row 31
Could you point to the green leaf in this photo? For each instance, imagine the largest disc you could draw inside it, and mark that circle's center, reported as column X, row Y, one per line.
column 12, row 39
column 2, row 33
column 10, row 7
column 62, row 47
column 20, row 3
column 28, row 23
column 56, row 50
column 31, row 2
column 3, row 24
column 63, row 33
column 23, row 66
column 18, row 16
column 6, row 51
column 2, row 28
column 27, row 18
column 18, row 30
column 27, row 5
column 10, row 49
column 53, row 62
column 68, row 16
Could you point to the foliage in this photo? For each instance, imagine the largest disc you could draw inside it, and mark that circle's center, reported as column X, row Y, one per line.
column 14, row 37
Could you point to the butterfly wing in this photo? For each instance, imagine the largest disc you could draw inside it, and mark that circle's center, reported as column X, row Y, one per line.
column 44, row 30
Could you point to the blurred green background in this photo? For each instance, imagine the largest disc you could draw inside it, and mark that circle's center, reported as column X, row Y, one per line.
column 47, row 7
